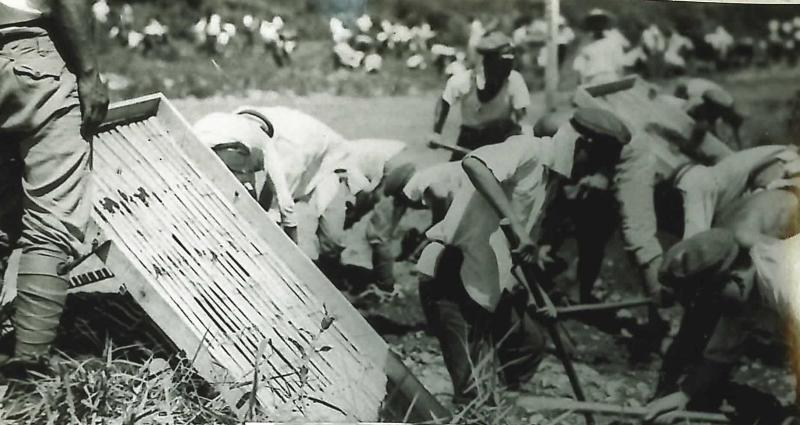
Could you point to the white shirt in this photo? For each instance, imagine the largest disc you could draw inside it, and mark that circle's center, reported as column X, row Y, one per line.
column 19, row 11
column 675, row 46
column 522, row 165
column 600, row 61
column 100, row 10
column 440, row 181
column 463, row 88
column 302, row 155
column 370, row 156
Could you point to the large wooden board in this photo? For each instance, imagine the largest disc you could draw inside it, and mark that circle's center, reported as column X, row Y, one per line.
column 177, row 231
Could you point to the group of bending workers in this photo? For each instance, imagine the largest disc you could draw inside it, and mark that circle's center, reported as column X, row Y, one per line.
column 735, row 211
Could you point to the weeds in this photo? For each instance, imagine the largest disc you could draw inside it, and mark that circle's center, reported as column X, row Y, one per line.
column 114, row 391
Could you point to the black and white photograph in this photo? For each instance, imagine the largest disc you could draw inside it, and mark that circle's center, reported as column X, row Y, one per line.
column 483, row 212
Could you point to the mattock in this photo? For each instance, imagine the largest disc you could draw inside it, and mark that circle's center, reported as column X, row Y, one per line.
column 541, row 308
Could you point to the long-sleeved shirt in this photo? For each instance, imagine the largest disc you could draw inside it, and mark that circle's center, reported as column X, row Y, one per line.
column 634, row 183
column 302, row 156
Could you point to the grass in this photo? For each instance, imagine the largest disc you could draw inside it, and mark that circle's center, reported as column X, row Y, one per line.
column 113, row 390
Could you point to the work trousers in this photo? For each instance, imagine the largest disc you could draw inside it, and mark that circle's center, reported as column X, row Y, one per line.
column 472, row 138
column 44, row 161
column 473, row 339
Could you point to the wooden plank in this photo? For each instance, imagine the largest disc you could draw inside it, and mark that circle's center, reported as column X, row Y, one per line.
column 546, row 404
column 358, row 329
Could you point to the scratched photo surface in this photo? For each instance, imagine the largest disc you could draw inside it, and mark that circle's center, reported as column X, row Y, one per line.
column 407, row 211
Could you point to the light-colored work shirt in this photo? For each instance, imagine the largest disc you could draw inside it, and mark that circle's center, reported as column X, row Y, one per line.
column 463, row 88
column 370, row 156
column 438, row 182
column 302, row 157
column 523, row 166
column 600, row 61
column 634, row 182
column 707, row 190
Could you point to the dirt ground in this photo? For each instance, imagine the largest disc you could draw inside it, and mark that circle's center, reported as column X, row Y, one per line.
column 602, row 360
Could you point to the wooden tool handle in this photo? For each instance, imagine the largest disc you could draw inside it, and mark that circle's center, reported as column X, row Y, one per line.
column 451, row 148
column 544, row 404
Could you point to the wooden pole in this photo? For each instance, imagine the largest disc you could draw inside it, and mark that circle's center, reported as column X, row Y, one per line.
column 552, row 12
column 544, row 404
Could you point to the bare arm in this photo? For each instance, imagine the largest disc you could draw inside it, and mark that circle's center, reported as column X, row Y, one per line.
column 72, row 29
column 489, row 187
column 440, row 115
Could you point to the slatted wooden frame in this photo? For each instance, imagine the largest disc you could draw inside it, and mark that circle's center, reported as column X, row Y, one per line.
column 163, row 148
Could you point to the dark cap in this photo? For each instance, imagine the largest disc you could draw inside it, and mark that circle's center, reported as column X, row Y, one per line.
column 703, row 255
column 598, row 19
column 599, row 124
column 494, row 42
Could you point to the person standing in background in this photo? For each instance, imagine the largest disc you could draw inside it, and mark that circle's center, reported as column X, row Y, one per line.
column 494, row 98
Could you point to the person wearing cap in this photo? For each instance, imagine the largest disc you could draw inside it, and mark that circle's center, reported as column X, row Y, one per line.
column 708, row 103
column 708, row 190
column 52, row 103
column 301, row 158
column 493, row 97
column 388, row 165
column 726, row 276
column 467, row 284
column 603, row 59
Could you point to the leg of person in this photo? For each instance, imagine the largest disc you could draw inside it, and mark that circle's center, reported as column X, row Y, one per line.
column 697, row 324
column 10, row 221
column 382, row 225
column 56, row 213
column 519, row 340
column 456, row 322
column 595, row 222
column 39, row 104
column 329, row 202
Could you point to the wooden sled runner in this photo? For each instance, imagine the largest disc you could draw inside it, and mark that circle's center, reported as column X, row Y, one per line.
column 174, row 229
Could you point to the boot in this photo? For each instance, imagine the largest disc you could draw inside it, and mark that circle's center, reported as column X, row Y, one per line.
column 39, row 304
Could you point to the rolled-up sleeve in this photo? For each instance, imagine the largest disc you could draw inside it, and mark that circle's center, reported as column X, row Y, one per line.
column 457, row 86
column 505, row 159
column 634, row 182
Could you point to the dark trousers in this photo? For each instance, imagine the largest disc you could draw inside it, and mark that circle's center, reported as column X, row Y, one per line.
column 471, row 337
column 473, row 138
column 596, row 218
column 700, row 317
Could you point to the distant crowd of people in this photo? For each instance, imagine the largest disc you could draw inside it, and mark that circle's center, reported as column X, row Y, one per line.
column 363, row 43
column 666, row 52
column 211, row 33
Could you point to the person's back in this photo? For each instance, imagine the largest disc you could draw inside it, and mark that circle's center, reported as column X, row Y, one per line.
column 773, row 213
column 306, row 148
